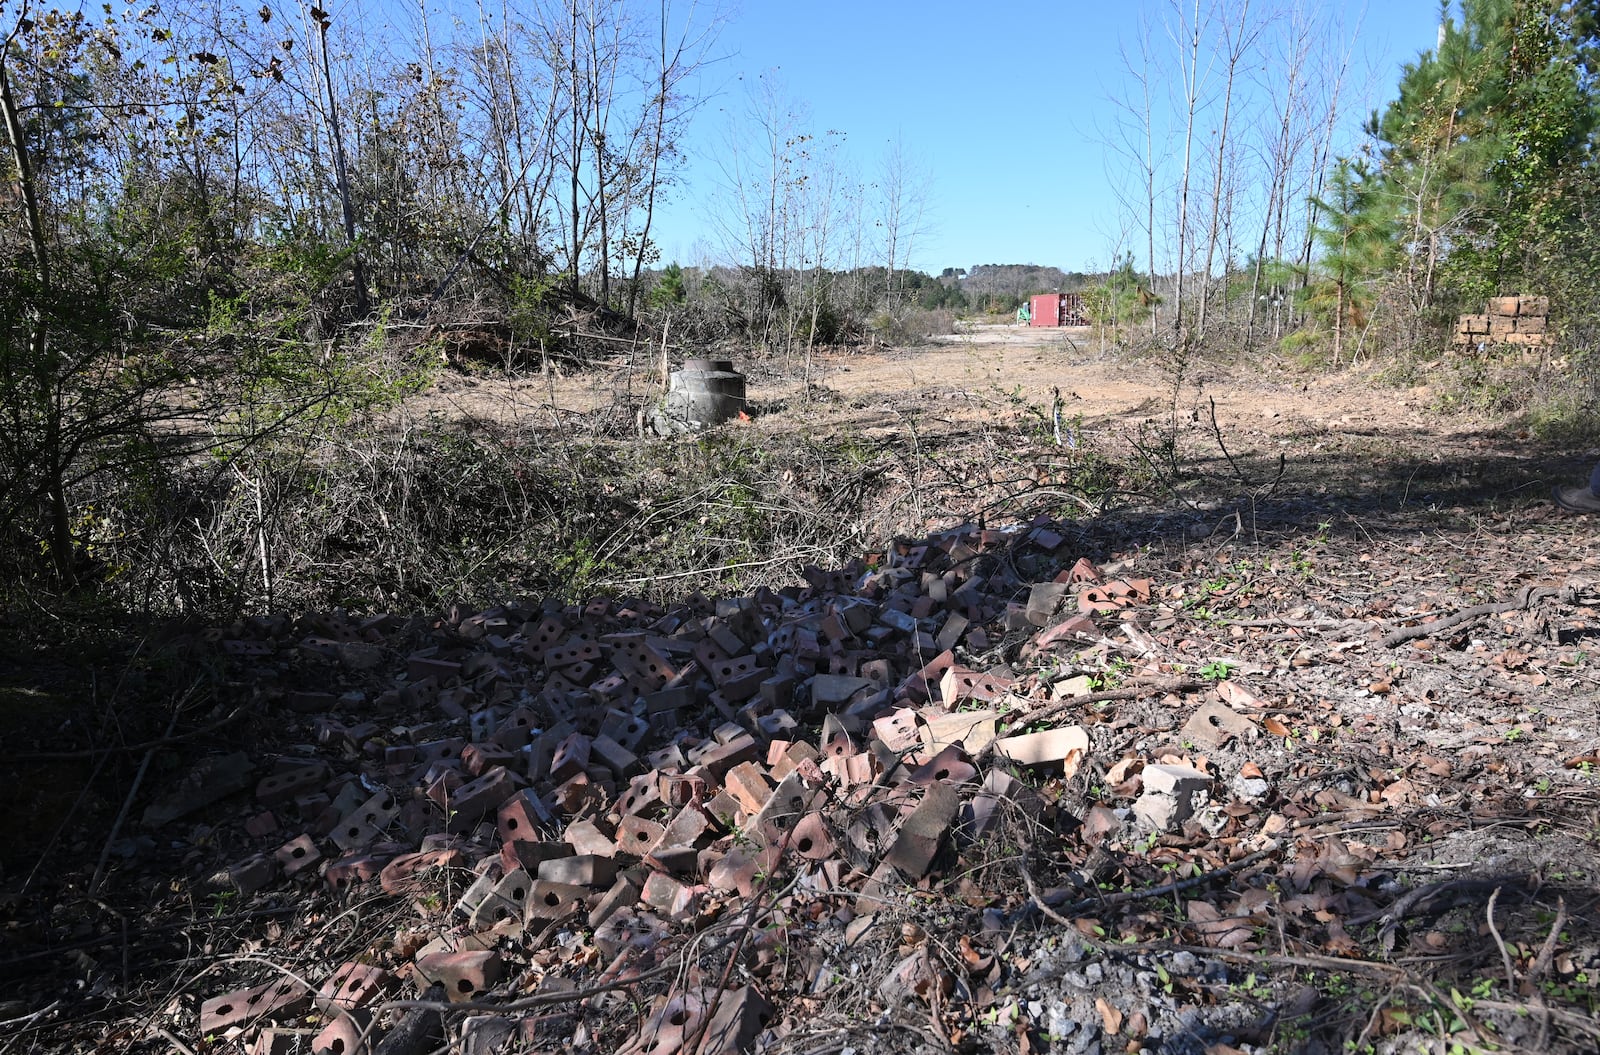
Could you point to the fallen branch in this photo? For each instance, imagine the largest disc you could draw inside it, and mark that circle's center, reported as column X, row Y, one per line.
column 1177, row 886
column 1526, row 598
column 1547, row 951
column 1046, row 902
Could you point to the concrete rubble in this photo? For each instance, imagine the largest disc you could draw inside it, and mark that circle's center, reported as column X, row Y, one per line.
column 621, row 775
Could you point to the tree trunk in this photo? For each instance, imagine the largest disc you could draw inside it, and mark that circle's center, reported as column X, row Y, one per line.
column 341, row 172
column 41, row 353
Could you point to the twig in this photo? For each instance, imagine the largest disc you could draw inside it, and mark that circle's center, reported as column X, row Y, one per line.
column 1500, row 943
column 1176, row 887
column 1547, row 951
column 1581, row 1023
column 757, row 908
column 127, row 804
column 784, row 559
column 1039, row 901
column 97, row 752
column 30, row 1016
column 171, row 1038
column 1310, row 961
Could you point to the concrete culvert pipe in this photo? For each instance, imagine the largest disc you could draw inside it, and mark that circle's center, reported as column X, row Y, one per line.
column 705, row 392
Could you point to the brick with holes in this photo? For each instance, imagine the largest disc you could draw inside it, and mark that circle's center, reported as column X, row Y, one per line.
column 738, row 1019
column 550, row 901
column 298, row 854
column 279, row 998
column 918, row 837
column 354, row 869
column 521, row 815
column 354, row 985
column 346, row 1033
column 477, row 797
column 465, row 975
column 294, row 779
column 507, row 899
column 253, row 873
column 669, row 897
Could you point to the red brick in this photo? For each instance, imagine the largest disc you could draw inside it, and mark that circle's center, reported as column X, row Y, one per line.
column 520, row 816
column 506, row 899
column 296, row 855
column 351, row 869
column 950, row 766
column 588, row 837
column 587, row 870
column 253, row 874
column 550, row 900
column 529, row 855
column 626, row 930
column 271, row 999
column 811, row 839
column 621, row 761
column 345, row 1034
column 571, row 758
column 464, row 975
column 476, row 797
column 917, row 840
column 262, row 824
column 291, row 781
column 354, row 985
column 898, row 731
column 666, row 895
column 740, row 1016
column 624, row 893
column 719, row 758
column 747, row 782
column 478, row 758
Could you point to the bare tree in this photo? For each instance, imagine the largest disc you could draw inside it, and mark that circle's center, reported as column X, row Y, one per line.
column 903, row 191
column 1132, row 135
column 1239, row 36
column 680, row 52
column 1186, row 33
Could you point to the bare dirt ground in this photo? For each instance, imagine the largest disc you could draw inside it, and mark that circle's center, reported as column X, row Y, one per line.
column 1366, row 626
column 979, row 365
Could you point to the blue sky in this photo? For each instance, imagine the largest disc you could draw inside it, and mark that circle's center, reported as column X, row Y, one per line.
column 1002, row 106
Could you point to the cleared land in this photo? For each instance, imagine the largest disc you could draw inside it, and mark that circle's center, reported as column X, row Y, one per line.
column 1366, row 624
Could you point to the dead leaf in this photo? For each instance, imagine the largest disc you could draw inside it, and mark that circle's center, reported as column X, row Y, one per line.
column 1276, row 728
column 1123, row 770
column 1236, row 695
column 1110, row 1017
column 1099, row 824
column 1215, row 723
column 1224, row 932
column 1399, row 792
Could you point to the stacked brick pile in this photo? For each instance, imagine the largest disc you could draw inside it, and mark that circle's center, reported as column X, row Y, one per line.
column 1520, row 321
column 633, row 774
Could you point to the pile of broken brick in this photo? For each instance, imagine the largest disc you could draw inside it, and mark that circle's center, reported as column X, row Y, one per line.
column 583, row 791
